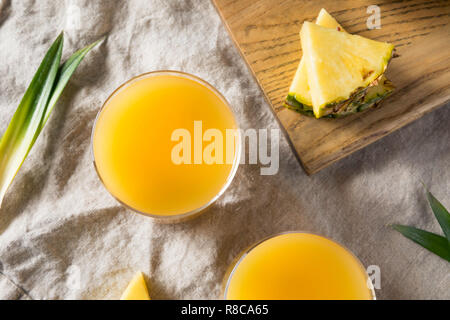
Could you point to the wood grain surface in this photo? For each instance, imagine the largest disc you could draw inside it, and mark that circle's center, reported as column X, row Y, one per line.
column 266, row 33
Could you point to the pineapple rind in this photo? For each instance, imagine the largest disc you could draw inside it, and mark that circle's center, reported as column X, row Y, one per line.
column 373, row 97
column 360, row 101
column 293, row 104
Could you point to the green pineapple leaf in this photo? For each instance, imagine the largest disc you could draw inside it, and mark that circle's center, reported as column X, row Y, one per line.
column 33, row 111
column 64, row 74
column 435, row 243
column 430, row 241
column 20, row 134
column 441, row 214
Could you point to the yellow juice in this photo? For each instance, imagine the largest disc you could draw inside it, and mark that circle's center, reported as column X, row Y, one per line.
column 133, row 144
column 298, row 266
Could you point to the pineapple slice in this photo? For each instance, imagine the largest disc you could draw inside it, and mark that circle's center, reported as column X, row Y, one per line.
column 299, row 97
column 325, row 19
column 137, row 289
column 339, row 64
column 299, row 88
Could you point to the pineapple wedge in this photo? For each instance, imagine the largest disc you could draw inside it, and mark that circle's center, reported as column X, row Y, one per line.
column 299, row 89
column 299, row 97
column 340, row 65
column 137, row 289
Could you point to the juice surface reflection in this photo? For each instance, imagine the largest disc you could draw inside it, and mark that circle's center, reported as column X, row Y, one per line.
column 298, row 266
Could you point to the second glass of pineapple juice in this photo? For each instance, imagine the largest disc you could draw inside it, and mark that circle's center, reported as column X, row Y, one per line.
column 297, row 266
column 133, row 145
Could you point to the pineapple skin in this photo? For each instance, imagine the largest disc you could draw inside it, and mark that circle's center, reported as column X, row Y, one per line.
column 367, row 98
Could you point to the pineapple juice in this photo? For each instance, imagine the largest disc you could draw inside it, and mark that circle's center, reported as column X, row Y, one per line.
column 297, row 266
column 133, row 144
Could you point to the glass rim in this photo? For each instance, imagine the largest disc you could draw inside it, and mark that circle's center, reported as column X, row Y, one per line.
column 236, row 162
column 235, row 264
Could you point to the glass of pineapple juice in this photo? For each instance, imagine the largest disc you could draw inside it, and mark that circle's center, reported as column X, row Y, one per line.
column 133, row 145
column 297, row 266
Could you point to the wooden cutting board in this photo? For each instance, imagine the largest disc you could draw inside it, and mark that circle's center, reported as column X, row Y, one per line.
column 266, row 33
